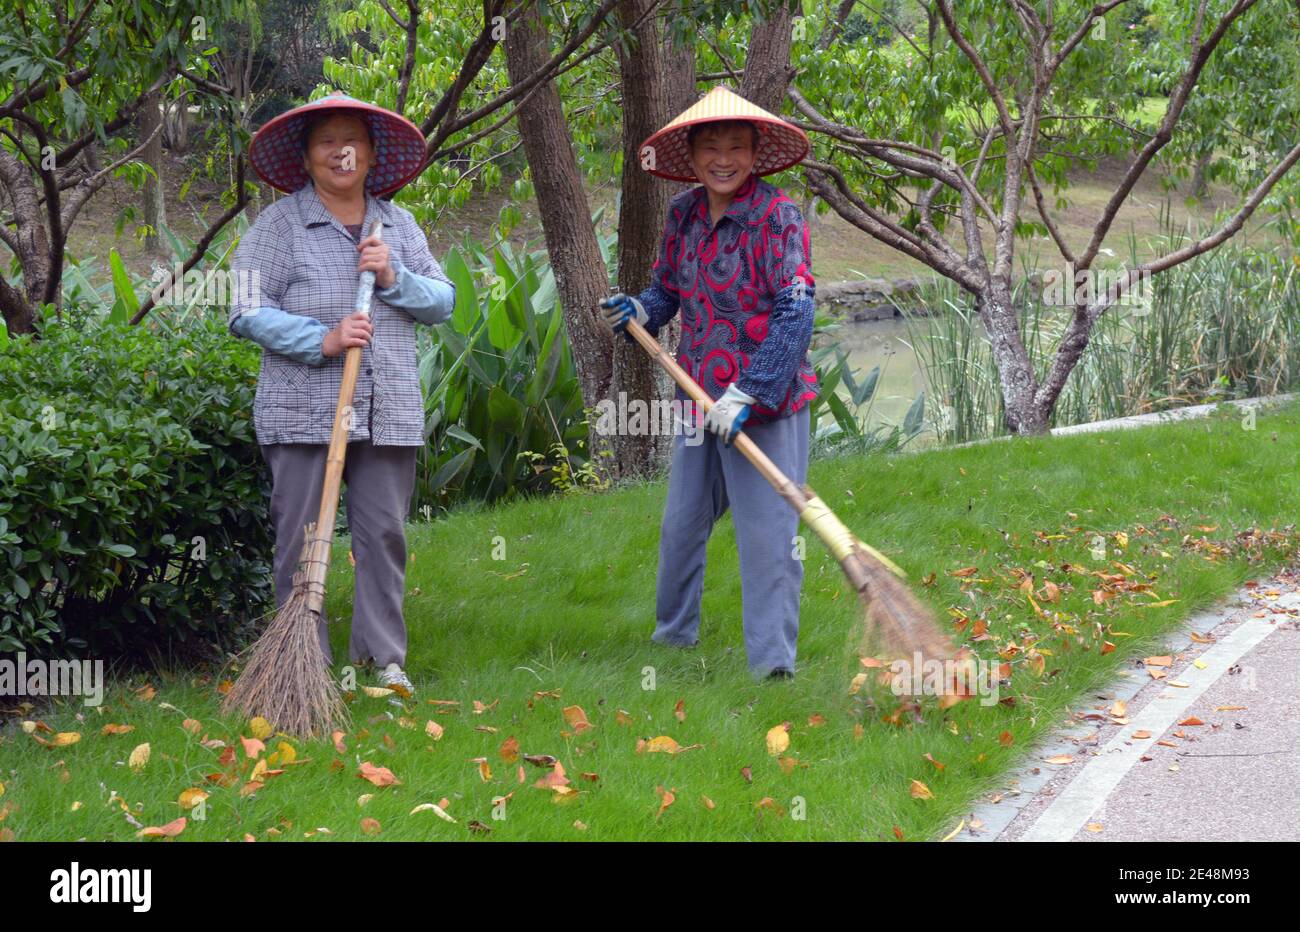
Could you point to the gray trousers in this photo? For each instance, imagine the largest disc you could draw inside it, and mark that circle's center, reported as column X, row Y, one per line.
column 379, row 482
column 705, row 480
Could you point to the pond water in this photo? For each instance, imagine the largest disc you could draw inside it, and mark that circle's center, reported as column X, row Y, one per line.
column 882, row 343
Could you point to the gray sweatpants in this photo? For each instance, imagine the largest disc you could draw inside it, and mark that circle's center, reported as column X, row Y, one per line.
column 705, row 480
column 379, row 482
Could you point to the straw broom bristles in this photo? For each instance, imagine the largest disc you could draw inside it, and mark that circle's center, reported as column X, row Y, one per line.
column 285, row 678
column 895, row 622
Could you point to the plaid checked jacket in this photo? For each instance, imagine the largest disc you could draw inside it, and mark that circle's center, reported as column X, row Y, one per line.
column 306, row 263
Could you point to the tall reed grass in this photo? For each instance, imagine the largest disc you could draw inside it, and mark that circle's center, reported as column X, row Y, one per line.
column 1224, row 325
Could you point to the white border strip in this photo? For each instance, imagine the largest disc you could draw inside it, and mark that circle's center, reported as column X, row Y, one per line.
column 1068, row 813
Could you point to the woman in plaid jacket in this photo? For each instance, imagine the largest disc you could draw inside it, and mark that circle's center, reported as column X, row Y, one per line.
column 298, row 266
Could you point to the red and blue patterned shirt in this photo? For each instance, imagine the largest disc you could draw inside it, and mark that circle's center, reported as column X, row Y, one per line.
column 745, row 290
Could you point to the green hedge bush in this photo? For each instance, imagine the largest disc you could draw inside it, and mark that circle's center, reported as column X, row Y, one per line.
column 133, row 497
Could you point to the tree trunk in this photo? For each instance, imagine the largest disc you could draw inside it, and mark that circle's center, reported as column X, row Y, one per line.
column 19, row 307
column 767, row 63
column 644, row 204
column 571, row 244
column 152, row 203
column 679, row 78
column 1023, row 415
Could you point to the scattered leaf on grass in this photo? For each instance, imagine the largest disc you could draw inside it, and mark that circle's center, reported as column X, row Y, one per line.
column 139, row 757
column 435, row 809
column 666, row 798
column 113, row 729
column 576, row 719
column 170, row 830
column 778, row 739
column 921, row 791
column 509, row 750
column 370, row 826
column 191, row 797
column 379, row 776
column 679, row 710
column 555, row 780
column 260, row 728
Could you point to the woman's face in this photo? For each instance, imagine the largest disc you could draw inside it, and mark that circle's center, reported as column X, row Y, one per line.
column 327, row 160
column 723, row 159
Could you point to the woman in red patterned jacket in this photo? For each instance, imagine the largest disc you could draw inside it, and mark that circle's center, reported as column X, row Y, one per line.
column 736, row 262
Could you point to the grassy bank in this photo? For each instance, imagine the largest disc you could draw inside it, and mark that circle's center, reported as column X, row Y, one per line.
column 563, row 620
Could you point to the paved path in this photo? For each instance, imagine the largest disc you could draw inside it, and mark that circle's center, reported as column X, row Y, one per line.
column 1159, row 776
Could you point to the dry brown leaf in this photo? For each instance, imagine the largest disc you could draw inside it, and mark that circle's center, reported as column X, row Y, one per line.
column 920, row 791
column 170, row 830
column 576, row 719
column 379, row 776
column 666, row 798
column 191, row 797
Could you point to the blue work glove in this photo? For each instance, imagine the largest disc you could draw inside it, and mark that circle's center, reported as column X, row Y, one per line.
column 728, row 415
column 618, row 309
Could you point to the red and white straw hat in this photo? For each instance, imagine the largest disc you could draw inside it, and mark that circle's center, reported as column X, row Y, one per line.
column 276, row 150
column 780, row 144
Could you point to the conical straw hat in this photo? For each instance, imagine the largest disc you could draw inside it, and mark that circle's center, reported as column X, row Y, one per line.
column 780, row 145
column 276, row 150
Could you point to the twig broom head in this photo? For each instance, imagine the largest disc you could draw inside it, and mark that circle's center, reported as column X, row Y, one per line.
column 895, row 622
column 285, row 678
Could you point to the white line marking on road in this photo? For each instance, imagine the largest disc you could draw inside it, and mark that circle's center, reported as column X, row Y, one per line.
column 1062, row 820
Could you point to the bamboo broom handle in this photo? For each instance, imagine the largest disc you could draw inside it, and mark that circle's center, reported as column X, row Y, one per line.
column 344, row 414
column 769, row 470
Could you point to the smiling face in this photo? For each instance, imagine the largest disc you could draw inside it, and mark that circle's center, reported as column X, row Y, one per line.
column 324, row 158
column 723, row 157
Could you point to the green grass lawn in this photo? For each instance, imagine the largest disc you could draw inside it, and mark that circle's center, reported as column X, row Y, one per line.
column 564, row 620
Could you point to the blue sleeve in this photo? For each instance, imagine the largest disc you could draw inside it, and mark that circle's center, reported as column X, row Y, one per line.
column 660, row 305
column 428, row 300
column 662, row 299
column 293, row 335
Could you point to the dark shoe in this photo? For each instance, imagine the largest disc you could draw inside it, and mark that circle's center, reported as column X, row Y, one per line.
column 780, row 673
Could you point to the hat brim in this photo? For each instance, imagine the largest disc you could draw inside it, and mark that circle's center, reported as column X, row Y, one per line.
column 780, row 146
column 276, row 150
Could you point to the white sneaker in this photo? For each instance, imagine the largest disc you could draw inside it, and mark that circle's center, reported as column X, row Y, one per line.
column 394, row 677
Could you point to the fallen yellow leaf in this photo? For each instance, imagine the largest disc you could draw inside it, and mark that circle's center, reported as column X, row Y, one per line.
column 778, row 739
